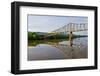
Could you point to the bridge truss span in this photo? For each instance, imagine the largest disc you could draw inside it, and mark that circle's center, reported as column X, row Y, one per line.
column 74, row 27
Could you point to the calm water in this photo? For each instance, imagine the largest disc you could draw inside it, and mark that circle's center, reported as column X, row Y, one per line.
column 59, row 50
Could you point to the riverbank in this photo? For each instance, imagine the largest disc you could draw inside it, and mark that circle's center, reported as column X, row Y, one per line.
column 47, row 41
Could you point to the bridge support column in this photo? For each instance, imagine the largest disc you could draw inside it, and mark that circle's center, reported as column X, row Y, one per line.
column 70, row 38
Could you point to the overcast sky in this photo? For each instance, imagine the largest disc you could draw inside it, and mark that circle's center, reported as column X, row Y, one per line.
column 44, row 23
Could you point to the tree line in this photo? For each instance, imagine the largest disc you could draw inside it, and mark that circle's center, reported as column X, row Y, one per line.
column 36, row 36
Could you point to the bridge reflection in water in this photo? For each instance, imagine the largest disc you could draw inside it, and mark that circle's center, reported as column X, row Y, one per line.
column 59, row 50
column 71, row 49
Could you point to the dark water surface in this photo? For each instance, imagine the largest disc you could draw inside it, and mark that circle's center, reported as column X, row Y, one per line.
column 59, row 50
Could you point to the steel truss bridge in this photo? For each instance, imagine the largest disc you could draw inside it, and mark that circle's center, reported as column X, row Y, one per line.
column 69, row 28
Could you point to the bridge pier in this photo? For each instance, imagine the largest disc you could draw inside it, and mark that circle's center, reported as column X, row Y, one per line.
column 70, row 38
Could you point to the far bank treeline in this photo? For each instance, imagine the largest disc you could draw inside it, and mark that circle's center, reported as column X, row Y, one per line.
column 41, row 36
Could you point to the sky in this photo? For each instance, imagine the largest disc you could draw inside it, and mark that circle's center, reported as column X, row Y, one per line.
column 47, row 23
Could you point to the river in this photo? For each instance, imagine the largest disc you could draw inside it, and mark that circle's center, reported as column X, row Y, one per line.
column 59, row 50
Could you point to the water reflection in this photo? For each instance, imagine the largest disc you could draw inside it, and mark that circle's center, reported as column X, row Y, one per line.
column 59, row 50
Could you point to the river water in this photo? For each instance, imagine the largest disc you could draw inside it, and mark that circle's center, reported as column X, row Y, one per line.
column 59, row 50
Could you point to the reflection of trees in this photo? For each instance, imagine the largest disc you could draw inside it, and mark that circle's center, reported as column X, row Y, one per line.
column 37, row 36
column 69, row 50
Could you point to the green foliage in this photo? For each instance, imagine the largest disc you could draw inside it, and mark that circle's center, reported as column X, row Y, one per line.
column 35, row 36
column 58, row 36
column 30, row 36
